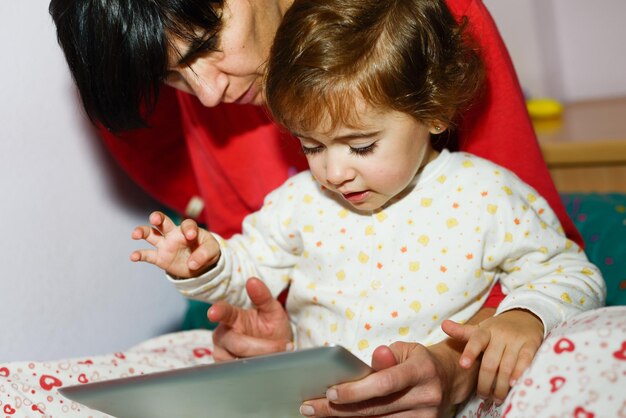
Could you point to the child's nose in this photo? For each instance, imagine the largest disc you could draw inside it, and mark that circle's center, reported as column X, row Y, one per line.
column 338, row 171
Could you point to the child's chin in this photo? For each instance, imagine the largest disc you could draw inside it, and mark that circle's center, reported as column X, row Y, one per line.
column 366, row 206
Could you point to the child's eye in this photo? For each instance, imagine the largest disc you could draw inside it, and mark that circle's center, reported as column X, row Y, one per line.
column 368, row 149
column 311, row 150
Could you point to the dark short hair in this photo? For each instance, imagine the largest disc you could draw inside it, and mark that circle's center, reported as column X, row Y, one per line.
column 117, row 50
column 411, row 56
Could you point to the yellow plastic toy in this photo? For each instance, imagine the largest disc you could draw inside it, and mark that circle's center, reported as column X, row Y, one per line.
column 544, row 108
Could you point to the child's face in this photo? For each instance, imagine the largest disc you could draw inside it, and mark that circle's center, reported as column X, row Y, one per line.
column 372, row 163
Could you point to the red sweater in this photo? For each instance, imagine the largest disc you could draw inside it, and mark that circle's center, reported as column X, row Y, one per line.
column 231, row 156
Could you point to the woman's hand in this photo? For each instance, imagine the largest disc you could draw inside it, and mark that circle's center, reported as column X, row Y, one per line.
column 263, row 329
column 185, row 251
column 410, row 380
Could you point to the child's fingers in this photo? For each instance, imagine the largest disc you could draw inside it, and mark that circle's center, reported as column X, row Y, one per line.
column 477, row 340
column 461, row 332
column 489, row 369
column 151, row 235
column 202, row 257
column 139, row 232
column 162, row 222
column 477, row 343
column 189, row 227
column 524, row 359
column 148, row 256
column 507, row 365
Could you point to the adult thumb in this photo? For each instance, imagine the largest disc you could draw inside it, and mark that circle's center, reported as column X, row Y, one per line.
column 383, row 358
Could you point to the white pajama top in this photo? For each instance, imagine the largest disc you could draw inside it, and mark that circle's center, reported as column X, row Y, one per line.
column 362, row 279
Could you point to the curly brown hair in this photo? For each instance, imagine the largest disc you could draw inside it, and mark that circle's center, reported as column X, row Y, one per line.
column 410, row 56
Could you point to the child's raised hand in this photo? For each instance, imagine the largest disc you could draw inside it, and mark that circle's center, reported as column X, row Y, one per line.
column 508, row 342
column 183, row 251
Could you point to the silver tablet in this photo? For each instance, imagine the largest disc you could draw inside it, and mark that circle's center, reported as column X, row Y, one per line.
column 271, row 386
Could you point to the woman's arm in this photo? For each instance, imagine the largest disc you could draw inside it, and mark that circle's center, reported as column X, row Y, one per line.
column 156, row 157
column 498, row 127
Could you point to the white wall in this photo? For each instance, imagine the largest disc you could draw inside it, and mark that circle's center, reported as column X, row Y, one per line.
column 66, row 213
column 567, row 49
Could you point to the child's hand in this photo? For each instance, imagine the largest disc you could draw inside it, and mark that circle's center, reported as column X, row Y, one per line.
column 185, row 251
column 509, row 342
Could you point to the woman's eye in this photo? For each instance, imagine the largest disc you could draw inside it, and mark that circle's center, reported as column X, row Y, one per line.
column 363, row 150
column 311, row 150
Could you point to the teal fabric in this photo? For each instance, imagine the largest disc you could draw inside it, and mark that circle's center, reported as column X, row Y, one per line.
column 601, row 220
column 195, row 316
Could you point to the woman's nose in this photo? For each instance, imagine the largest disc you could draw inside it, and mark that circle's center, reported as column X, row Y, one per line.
column 209, row 86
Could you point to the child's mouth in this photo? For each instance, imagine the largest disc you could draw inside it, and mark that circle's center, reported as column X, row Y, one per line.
column 356, row 197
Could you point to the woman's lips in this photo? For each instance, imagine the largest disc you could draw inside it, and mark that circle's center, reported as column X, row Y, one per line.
column 356, row 197
column 248, row 96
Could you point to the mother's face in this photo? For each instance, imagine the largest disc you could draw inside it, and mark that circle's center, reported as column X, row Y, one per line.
column 234, row 73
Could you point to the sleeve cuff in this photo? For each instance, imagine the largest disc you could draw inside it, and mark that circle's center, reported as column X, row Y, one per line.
column 546, row 314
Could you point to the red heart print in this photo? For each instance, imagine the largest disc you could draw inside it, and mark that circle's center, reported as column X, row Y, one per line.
column 201, row 352
column 82, row 378
column 479, row 411
column 120, row 356
column 8, row 409
column 564, row 344
column 4, row 372
column 580, row 412
column 47, row 382
column 86, row 362
column 557, row 383
column 621, row 354
column 508, row 409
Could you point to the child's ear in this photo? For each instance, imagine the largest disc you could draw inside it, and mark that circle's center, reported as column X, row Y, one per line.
column 437, row 127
